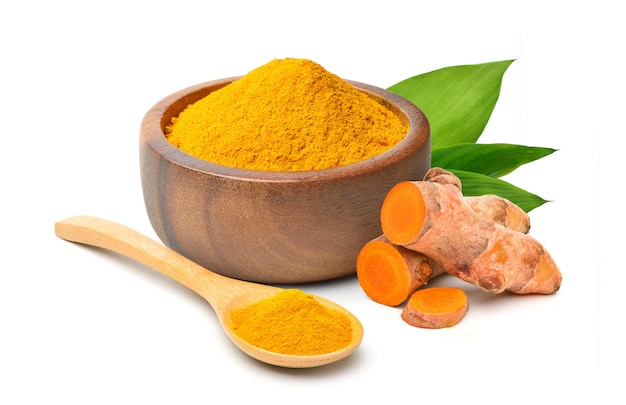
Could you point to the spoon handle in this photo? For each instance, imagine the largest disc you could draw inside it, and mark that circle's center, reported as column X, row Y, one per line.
column 128, row 242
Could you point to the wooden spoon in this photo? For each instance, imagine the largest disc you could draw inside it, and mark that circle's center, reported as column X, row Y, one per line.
column 222, row 293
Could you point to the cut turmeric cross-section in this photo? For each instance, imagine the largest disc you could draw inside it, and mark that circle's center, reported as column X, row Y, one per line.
column 389, row 273
column 437, row 307
column 402, row 213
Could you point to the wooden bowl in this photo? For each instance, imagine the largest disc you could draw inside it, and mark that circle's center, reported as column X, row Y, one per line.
column 272, row 227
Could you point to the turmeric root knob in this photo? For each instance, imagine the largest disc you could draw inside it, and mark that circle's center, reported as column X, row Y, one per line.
column 501, row 211
column 431, row 217
column 489, row 206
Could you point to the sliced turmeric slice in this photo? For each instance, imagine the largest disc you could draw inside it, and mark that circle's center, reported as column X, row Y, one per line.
column 436, row 307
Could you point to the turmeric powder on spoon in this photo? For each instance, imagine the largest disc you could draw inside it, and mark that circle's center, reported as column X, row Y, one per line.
column 287, row 115
column 293, row 322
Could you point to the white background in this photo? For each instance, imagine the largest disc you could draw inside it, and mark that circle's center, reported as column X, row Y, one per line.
column 81, row 326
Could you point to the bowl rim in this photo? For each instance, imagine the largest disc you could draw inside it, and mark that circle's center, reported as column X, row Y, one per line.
column 152, row 134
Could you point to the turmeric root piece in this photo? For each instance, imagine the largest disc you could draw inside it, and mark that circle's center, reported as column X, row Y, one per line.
column 501, row 211
column 432, row 217
column 437, row 307
column 388, row 273
column 488, row 206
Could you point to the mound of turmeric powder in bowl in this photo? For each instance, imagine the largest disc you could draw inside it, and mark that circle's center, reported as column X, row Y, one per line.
column 287, row 115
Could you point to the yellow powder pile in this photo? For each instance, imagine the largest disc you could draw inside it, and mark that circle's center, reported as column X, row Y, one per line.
column 288, row 115
column 293, row 322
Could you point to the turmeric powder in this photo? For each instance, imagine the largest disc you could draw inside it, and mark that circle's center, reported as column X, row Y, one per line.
column 292, row 322
column 287, row 115
column 432, row 218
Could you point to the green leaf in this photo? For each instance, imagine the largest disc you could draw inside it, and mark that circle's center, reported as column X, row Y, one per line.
column 476, row 184
column 495, row 159
column 458, row 100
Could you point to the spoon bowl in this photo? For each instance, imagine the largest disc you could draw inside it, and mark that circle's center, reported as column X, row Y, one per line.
column 222, row 293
